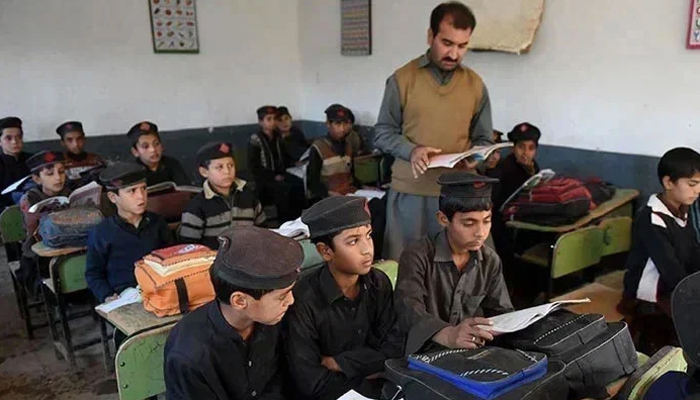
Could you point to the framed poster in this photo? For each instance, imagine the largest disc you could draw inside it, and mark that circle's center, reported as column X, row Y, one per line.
column 356, row 27
column 694, row 25
column 174, row 26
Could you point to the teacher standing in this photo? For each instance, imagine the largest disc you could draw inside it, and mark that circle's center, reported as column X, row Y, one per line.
column 431, row 105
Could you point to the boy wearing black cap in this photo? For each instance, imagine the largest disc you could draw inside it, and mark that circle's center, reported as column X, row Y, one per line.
column 230, row 348
column 77, row 160
column 148, row 150
column 448, row 282
column 519, row 165
column 117, row 242
column 329, row 172
column 12, row 160
column 294, row 144
column 340, row 331
column 226, row 200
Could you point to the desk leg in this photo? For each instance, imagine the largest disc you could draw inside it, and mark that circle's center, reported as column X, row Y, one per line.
column 106, row 354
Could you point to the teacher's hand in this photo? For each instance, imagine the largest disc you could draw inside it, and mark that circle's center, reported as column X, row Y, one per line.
column 420, row 158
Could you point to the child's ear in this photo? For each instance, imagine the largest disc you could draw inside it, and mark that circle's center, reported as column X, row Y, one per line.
column 36, row 179
column 442, row 219
column 134, row 152
column 112, row 197
column 667, row 183
column 204, row 172
column 239, row 301
column 325, row 251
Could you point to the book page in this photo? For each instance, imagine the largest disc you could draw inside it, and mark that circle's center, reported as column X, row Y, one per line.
column 353, row 395
column 161, row 187
column 293, row 229
column 446, row 160
column 128, row 296
column 369, row 194
column 299, row 171
column 15, row 185
column 521, row 319
column 88, row 195
column 542, row 176
column 50, row 204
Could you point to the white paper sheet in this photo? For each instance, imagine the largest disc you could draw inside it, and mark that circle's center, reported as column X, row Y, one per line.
column 128, row 296
column 521, row 319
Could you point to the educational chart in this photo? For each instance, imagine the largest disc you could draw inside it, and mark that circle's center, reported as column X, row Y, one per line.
column 694, row 25
column 505, row 25
column 174, row 26
column 356, row 27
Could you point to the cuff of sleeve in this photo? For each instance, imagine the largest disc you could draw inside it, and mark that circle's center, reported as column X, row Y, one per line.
column 405, row 149
column 421, row 333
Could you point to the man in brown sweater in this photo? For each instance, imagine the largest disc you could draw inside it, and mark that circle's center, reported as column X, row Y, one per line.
column 431, row 105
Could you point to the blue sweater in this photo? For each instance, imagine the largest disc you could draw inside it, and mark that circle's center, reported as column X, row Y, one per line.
column 114, row 246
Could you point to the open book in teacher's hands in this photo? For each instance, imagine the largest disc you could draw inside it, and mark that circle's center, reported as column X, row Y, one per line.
column 479, row 153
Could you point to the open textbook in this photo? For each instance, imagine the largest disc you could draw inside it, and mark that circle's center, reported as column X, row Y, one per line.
column 128, row 296
column 15, row 185
column 542, row 176
column 521, row 319
column 172, row 187
column 293, row 229
column 479, row 152
column 88, row 195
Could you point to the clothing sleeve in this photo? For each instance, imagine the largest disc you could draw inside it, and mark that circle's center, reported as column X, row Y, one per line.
column 659, row 245
column 497, row 300
column 96, row 267
column 183, row 382
column 310, row 377
column 179, row 175
column 260, row 174
column 260, row 217
column 317, row 190
column 413, row 317
column 383, row 340
column 387, row 130
column 482, row 124
column 192, row 226
column 31, row 220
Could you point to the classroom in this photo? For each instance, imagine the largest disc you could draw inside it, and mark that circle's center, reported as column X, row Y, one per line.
column 350, row 199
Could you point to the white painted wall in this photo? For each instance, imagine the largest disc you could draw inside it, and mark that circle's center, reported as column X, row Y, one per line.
column 609, row 75
column 93, row 60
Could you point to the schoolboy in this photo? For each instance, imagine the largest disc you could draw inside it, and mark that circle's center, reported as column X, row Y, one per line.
column 294, row 144
column 117, row 242
column 447, row 283
column 77, row 160
column 225, row 202
column 520, row 164
column 13, row 160
column 148, row 150
column 230, row 347
column 341, row 329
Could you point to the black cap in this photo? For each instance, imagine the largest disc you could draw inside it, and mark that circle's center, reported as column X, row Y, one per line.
column 142, row 128
column 338, row 113
column 44, row 159
column 122, row 175
column 266, row 110
column 465, row 185
column 70, row 126
column 334, row 214
column 213, row 151
column 10, row 122
column 282, row 111
column 685, row 308
column 524, row 131
column 257, row 258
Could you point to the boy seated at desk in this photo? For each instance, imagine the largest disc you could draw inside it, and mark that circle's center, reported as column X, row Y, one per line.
column 340, row 331
column 664, row 250
column 117, row 242
column 448, row 282
column 230, row 348
column 13, row 160
column 293, row 141
column 225, row 202
column 48, row 172
column 77, row 161
column 520, row 164
column 148, row 150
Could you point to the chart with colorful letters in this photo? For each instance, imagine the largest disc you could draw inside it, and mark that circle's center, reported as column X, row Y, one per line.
column 694, row 25
column 174, row 26
column 356, row 27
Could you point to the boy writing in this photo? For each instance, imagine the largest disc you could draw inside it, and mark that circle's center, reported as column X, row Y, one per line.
column 226, row 200
column 448, row 282
column 340, row 330
column 117, row 242
column 12, row 160
column 229, row 348
column 148, row 150
column 77, row 160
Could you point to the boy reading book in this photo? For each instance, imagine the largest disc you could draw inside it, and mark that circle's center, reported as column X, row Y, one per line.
column 447, row 283
column 225, row 202
column 148, row 150
column 120, row 240
column 341, row 329
column 77, row 161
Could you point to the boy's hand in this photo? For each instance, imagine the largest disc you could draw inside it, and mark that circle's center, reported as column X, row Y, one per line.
column 466, row 335
column 330, row 364
column 279, row 178
column 111, row 298
column 420, row 159
column 468, row 164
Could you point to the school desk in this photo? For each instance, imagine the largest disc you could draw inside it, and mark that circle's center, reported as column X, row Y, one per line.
column 604, row 301
column 42, row 250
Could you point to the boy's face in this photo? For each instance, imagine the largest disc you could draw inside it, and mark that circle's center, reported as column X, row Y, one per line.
column 52, row 179
column 525, row 151
column 284, row 123
column 268, row 123
column 338, row 129
column 683, row 191
column 221, row 173
column 270, row 308
column 353, row 250
column 74, row 142
column 12, row 141
column 148, row 149
column 131, row 199
column 467, row 230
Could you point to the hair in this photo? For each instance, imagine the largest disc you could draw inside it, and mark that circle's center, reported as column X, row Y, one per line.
column 452, row 205
column 224, row 289
column 207, row 163
column 326, row 239
column 37, row 172
column 678, row 163
column 462, row 16
column 136, row 138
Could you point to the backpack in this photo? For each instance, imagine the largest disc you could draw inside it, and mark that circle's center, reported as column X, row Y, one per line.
column 484, row 373
column 557, row 201
column 69, row 227
column 176, row 280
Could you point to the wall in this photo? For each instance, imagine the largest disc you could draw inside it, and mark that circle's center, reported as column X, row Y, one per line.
column 93, row 60
column 601, row 75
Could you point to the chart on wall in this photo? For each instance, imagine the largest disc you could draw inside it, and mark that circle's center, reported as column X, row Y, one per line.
column 694, row 25
column 356, row 27
column 505, row 25
column 174, row 26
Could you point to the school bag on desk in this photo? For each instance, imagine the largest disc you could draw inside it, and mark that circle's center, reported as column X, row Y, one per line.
column 484, row 373
column 69, row 227
column 557, row 201
column 175, row 280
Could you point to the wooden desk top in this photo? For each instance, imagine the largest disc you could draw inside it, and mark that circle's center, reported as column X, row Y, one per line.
column 133, row 318
column 622, row 197
column 603, row 301
column 43, row 250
